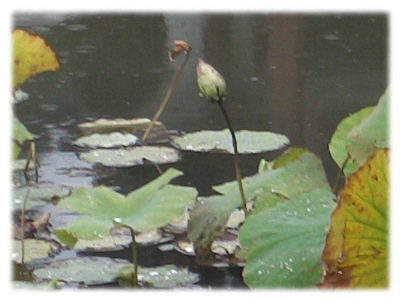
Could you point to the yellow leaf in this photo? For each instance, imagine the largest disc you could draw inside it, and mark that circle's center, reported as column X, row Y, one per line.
column 31, row 56
column 355, row 251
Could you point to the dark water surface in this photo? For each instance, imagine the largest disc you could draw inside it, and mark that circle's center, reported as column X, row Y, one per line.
column 297, row 75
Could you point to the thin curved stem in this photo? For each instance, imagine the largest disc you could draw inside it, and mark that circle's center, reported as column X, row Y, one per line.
column 236, row 155
column 166, row 98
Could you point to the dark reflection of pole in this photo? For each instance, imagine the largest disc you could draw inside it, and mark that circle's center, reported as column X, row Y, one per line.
column 285, row 106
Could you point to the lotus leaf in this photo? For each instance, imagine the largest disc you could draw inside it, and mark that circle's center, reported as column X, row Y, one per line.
column 372, row 133
column 119, row 124
column 284, row 242
column 220, row 141
column 340, row 142
column 356, row 249
column 111, row 140
column 131, row 156
column 34, row 249
column 31, row 56
column 20, row 134
column 89, row 270
column 151, row 206
column 267, row 188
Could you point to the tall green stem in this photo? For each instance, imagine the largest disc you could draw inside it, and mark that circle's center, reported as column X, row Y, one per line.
column 166, row 98
column 236, row 155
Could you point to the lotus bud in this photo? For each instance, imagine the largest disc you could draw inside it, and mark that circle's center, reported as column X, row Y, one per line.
column 211, row 84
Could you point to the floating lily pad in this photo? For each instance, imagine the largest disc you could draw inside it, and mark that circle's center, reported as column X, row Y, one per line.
column 38, row 195
column 26, row 285
column 111, row 140
column 221, row 141
column 89, row 270
column 123, row 125
column 167, row 276
column 34, row 249
column 131, row 156
column 19, row 165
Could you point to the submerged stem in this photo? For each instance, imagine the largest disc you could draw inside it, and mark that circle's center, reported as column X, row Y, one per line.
column 236, row 155
column 166, row 98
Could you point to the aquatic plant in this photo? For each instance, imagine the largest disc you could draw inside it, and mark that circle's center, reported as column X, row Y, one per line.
column 213, row 88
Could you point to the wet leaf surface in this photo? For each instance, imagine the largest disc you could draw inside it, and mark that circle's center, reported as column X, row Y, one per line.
column 284, row 242
column 31, row 56
column 89, row 270
column 285, row 189
column 151, row 206
column 111, row 140
column 356, row 250
column 220, row 141
column 131, row 156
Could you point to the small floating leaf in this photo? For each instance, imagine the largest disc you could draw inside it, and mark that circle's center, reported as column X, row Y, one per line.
column 112, row 140
column 34, row 249
column 167, row 276
column 31, row 56
column 131, row 156
column 89, row 270
column 113, row 125
column 220, row 141
column 38, row 195
column 356, row 249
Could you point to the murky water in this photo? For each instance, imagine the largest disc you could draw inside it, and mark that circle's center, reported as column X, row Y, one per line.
column 298, row 75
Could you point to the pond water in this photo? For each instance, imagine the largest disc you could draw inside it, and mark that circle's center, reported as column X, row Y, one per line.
column 294, row 74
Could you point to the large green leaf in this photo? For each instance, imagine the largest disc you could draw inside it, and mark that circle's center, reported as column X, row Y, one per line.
column 339, row 141
column 372, row 133
column 268, row 188
column 221, row 141
column 358, row 136
column 356, row 250
column 151, row 206
column 284, row 242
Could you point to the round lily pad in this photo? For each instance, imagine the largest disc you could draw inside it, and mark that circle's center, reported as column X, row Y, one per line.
column 89, row 270
column 34, row 249
column 111, row 140
column 131, row 156
column 221, row 141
